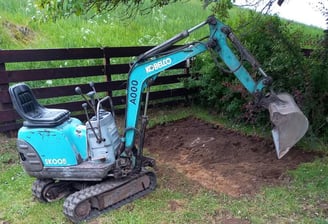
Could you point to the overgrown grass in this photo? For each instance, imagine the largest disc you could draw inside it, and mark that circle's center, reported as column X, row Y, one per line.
column 112, row 29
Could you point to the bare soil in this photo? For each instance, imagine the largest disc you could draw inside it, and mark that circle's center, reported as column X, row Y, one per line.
column 220, row 159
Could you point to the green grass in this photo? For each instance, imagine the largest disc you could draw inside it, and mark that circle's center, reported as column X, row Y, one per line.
column 110, row 29
column 102, row 30
column 302, row 201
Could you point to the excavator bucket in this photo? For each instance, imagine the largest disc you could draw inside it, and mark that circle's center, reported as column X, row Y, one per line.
column 290, row 123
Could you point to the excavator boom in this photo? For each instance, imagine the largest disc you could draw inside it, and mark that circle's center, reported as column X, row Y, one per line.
column 290, row 123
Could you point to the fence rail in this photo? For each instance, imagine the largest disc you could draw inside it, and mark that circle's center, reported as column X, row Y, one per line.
column 41, row 67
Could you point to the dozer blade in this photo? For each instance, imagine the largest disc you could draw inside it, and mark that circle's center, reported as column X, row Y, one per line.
column 290, row 123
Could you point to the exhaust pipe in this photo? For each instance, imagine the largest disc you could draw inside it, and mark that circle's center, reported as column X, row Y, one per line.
column 290, row 123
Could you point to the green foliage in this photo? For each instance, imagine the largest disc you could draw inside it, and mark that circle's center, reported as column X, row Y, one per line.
column 317, row 93
column 221, row 9
column 107, row 29
column 278, row 48
column 214, row 86
column 54, row 10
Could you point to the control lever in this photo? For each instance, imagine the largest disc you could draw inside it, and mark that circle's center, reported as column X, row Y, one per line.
column 79, row 91
column 92, row 85
column 85, row 107
column 91, row 95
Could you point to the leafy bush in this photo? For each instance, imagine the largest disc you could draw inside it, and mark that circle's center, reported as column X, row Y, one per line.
column 316, row 86
column 278, row 49
column 221, row 91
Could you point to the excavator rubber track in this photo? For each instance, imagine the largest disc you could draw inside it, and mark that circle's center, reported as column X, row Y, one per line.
column 95, row 200
column 47, row 190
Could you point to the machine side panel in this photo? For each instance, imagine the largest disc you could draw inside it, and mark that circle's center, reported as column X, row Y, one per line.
column 54, row 145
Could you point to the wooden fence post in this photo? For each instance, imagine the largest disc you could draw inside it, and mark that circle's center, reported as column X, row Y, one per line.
column 107, row 72
column 4, row 85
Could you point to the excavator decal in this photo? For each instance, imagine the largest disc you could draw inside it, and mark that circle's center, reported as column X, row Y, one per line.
column 161, row 64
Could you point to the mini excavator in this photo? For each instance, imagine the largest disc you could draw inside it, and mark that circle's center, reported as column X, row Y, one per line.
column 97, row 169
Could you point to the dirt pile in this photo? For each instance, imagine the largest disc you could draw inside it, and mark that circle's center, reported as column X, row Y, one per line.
column 220, row 159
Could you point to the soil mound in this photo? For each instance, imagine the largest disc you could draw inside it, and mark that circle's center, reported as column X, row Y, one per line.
column 220, row 159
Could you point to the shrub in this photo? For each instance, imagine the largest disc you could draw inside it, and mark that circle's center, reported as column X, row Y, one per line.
column 316, row 86
column 278, row 49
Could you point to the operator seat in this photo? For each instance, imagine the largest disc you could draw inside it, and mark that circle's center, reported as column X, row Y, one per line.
column 32, row 112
